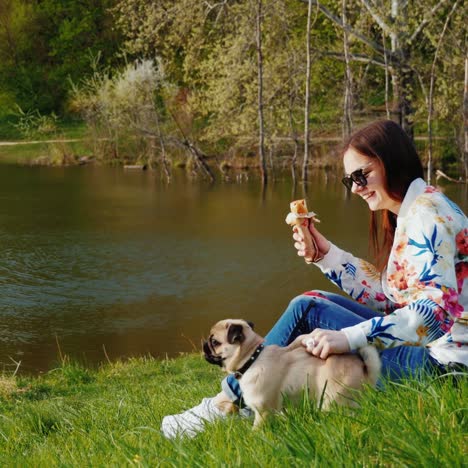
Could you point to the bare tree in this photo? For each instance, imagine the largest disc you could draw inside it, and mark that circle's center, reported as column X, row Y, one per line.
column 307, row 95
column 430, row 99
column 294, row 138
column 164, row 161
column 387, row 81
column 465, row 121
column 261, row 129
column 404, row 35
column 348, row 95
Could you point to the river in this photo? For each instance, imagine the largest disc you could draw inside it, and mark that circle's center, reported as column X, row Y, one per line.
column 101, row 263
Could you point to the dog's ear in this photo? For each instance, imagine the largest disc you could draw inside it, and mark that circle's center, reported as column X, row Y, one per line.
column 251, row 324
column 235, row 334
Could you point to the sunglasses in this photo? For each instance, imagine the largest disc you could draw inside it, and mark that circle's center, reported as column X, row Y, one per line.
column 358, row 177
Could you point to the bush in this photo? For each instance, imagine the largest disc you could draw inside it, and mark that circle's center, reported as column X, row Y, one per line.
column 121, row 108
column 32, row 124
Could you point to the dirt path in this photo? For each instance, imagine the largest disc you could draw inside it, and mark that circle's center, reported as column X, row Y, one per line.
column 14, row 143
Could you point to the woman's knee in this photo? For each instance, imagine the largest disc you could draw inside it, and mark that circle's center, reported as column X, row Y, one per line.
column 297, row 308
column 302, row 315
column 300, row 303
column 305, row 303
column 323, row 295
column 309, row 297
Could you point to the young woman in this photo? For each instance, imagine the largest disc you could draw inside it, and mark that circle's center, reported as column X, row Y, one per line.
column 410, row 305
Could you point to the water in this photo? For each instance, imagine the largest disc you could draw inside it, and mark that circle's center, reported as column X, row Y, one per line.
column 100, row 261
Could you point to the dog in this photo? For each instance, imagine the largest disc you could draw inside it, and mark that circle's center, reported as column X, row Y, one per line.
column 269, row 373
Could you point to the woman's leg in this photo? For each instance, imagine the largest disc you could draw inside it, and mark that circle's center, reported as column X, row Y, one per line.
column 407, row 361
column 317, row 309
column 311, row 310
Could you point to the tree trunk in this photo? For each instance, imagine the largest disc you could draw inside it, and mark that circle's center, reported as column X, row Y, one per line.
column 307, row 96
column 348, row 95
column 407, row 80
column 465, row 122
column 164, row 162
column 199, row 158
column 197, row 155
column 296, row 143
column 261, row 132
column 430, row 100
column 403, row 81
column 387, row 81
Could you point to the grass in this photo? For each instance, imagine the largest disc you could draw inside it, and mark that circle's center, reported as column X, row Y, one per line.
column 25, row 152
column 75, row 416
column 66, row 128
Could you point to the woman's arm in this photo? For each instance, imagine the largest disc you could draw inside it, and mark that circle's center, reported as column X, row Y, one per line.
column 358, row 278
column 355, row 276
column 421, row 275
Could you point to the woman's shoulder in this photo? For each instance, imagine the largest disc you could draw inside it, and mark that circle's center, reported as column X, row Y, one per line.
column 433, row 202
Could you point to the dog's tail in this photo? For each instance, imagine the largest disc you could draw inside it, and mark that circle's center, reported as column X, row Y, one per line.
column 372, row 362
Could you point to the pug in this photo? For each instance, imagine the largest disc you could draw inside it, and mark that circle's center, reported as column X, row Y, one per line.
column 267, row 374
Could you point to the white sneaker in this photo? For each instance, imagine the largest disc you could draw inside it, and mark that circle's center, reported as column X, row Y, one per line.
column 191, row 422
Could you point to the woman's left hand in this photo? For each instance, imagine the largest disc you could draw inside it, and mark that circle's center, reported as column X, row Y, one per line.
column 322, row 343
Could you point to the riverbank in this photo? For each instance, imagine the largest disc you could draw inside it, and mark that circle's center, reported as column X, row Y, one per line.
column 234, row 165
column 76, row 416
column 76, row 151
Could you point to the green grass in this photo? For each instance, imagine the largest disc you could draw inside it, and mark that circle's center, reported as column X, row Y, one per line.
column 8, row 132
column 25, row 153
column 66, row 128
column 74, row 416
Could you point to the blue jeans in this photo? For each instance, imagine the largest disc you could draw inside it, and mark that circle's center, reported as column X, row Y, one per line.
column 329, row 311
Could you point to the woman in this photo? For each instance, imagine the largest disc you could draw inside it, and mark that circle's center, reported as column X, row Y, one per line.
column 410, row 305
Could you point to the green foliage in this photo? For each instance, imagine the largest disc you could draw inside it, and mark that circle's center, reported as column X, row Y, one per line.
column 121, row 109
column 113, row 416
column 210, row 53
column 208, row 50
column 448, row 161
column 32, row 124
column 44, row 43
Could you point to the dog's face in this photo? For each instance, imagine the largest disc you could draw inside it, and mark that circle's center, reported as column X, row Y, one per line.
column 226, row 340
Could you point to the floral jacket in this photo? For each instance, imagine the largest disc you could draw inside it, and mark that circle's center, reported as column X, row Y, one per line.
column 424, row 289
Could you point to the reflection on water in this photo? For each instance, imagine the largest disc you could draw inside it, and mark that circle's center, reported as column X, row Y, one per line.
column 100, row 258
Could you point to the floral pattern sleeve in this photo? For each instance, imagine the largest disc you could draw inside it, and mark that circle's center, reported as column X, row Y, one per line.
column 356, row 277
column 421, row 278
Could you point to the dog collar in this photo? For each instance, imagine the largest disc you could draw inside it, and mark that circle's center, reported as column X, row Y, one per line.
column 239, row 373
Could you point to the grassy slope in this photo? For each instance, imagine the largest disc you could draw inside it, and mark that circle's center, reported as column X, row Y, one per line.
column 25, row 153
column 76, row 416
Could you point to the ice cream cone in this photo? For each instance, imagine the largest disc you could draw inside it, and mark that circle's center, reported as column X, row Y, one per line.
column 301, row 217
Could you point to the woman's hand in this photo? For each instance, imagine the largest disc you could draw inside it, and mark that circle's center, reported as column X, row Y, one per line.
column 322, row 343
column 304, row 248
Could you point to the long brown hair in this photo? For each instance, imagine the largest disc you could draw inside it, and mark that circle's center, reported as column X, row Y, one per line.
column 386, row 141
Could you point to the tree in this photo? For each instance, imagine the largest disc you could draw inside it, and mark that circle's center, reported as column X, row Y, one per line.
column 465, row 122
column 261, row 128
column 210, row 52
column 116, row 105
column 430, row 100
column 404, row 26
column 440, row 72
column 307, row 94
column 42, row 44
column 20, row 39
column 348, row 94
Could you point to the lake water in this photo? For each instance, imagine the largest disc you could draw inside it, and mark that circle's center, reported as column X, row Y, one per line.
column 99, row 260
